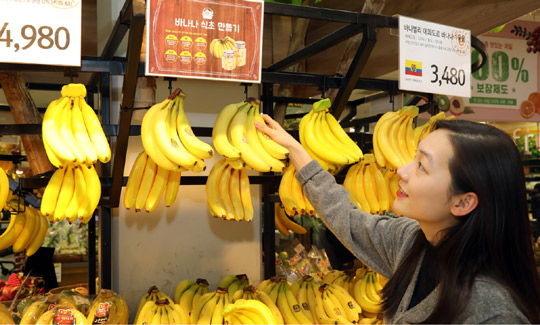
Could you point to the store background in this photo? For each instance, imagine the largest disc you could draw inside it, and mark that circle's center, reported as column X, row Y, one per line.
column 184, row 241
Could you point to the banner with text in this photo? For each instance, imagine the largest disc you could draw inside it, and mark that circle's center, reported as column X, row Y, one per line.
column 219, row 39
column 41, row 32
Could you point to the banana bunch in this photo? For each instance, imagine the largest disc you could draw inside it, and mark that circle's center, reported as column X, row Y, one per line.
column 340, row 278
column 284, row 223
column 292, row 311
column 228, row 192
column 248, row 311
column 108, row 308
column 421, row 131
column 237, row 139
column 168, row 139
column 72, row 193
column 4, row 188
column 153, row 294
column 335, row 303
column 239, row 283
column 251, row 293
column 218, row 45
column 188, row 292
column 62, row 314
column 325, row 140
column 32, row 313
column 209, row 308
column 26, row 231
column 292, row 195
column 72, row 132
column 162, row 311
column 370, row 189
column 148, row 182
column 366, row 292
column 393, row 138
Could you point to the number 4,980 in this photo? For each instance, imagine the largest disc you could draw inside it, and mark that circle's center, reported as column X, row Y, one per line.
column 44, row 41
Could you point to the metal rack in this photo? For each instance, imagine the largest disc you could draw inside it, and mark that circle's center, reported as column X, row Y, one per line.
column 131, row 21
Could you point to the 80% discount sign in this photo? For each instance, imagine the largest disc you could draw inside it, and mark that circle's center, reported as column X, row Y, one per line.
column 41, row 32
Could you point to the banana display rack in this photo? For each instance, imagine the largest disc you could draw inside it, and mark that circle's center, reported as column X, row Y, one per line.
column 131, row 22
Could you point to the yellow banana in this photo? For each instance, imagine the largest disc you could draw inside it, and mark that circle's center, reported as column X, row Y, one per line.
column 53, row 158
column 197, row 308
column 197, row 147
column 65, row 195
column 173, row 184
column 297, row 194
column 81, row 134
column 219, row 132
column 319, row 145
column 302, row 298
column 94, row 189
column 50, row 196
column 245, row 194
column 333, row 141
column 359, row 188
column 95, row 131
column 302, row 136
column 68, row 135
column 30, row 223
column 350, row 307
column 265, row 299
column 51, row 130
column 288, row 223
column 284, row 190
column 157, row 189
column 205, row 315
column 382, row 188
column 369, row 190
column 37, row 240
column 134, row 180
column 342, row 135
column 276, row 150
column 224, row 192
column 284, row 307
column 147, row 180
column 215, row 201
column 4, row 188
column 235, row 194
column 332, row 308
column 79, row 194
column 384, row 140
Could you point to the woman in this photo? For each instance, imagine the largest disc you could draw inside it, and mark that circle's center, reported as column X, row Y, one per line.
column 463, row 253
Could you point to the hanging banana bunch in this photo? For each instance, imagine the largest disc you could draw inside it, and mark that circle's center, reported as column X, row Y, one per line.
column 148, row 182
column 292, row 195
column 228, row 192
column 237, row 139
column 168, row 139
column 325, row 140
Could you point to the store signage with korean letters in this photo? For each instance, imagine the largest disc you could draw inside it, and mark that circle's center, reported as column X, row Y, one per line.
column 41, row 32
column 219, row 39
column 434, row 58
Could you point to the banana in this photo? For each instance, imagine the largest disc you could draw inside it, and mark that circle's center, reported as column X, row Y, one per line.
column 284, row 308
column 223, row 301
column 333, row 141
column 225, row 194
column 147, row 180
column 297, row 193
column 359, row 188
column 30, row 223
column 302, row 136
column 338, row 131
column 227, row 280
column 94, row 189
column 149, row 144
column 208, row 298
column 166, row 137
column 157, row 189
column 146, row 312
column 143, row 306
column 37, row 240
column 349, row 306
column 383, row 142
column 33, row 312
column 219, row 132
column 186, row 299
column 302, row 298
column 311, row 299
column 134, row 179
column 16, row 224
column 65, row 195
column 67, row 132
column 53, row 158
column 180, row 288
column 318, row 144
column 238, row 134
column 276, row 150
column 95, row 131
column 205, row 315
column 292, row 303
column 235, row 194
column 245, row 195
column 369, row 190
column 265, row 299
column 50, row 195
column 360, row 295
column 51, row 131
column 173, row 184
column 197, row 147
column 255, row 143
column 285, row 190
column 332, row 308
column 79, row 194
column 348, row 184
column 215, row 202
column 253, row 309
column 371, row 291
column 81, row 134
column 382, row 188
column 331, row 276
column 288, row 223
column 397, row 141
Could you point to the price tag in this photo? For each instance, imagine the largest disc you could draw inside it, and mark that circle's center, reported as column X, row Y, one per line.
column 41, row 32
column 434, row 58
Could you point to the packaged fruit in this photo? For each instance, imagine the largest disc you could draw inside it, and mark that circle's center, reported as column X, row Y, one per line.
column 108, row 308
column 62, row 314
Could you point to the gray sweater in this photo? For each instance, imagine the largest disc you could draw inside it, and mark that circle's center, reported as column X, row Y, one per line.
column 381, row 242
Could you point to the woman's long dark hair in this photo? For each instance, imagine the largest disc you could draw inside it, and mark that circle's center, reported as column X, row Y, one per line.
column 494, row 240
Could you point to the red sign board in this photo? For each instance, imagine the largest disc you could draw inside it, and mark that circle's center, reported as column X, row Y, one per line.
column 218, row 39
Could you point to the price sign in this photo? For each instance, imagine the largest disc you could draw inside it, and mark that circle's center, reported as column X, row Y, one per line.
column 434, row 58
column 218, row 39
column 41, row 32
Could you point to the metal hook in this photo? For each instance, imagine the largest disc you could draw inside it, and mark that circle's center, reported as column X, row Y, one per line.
column 392, row 101
column 170, row 86
column 246, row 85
column 323, row 89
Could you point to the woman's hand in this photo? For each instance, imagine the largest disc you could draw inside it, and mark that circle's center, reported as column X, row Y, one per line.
column 297, row 154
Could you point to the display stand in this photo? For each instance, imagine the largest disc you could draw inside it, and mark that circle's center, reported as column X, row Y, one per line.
column 131, row 21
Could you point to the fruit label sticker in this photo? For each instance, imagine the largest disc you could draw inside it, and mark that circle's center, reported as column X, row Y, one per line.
column 434, row 58
column 102, row 313
column 220, row 39
column 63, row 317
column 41, row 32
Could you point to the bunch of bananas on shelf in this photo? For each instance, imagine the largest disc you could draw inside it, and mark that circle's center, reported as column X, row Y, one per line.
column 26, row 231
column 237, row 139
column 370, row 189
column 108, row 308
column 393, row 138
column 72, row 132
column 292, row 311
column 188, row 292
column 218, row 45
column 366, row 291
column 283, row 223
column 228, row 192
column 292, row 195
column 161, row 312
column 341, row 278
column 251, row 293
column 208, row 309
column 62, row 313
column 421, row 131
column 325, row 140
column 72, row 193
column 234, row 283
column 248, row 311
column 148, row 182
column 168, row 139
column 153, row 294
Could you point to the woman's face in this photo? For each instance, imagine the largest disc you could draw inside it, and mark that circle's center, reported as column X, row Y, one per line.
column 424, row 186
